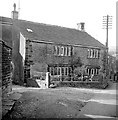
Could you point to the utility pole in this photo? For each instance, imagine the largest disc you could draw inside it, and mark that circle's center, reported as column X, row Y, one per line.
column 107, row 24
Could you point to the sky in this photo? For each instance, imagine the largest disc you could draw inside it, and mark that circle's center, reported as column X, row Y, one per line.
column 67, row 13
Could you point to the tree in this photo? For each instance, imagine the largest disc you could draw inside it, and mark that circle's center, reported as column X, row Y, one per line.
column 75, row 62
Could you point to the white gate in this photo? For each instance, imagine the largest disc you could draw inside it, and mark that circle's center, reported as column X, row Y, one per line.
column 42, row 79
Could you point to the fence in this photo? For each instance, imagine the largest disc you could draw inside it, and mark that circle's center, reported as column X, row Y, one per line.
column 96, row 81
column 45, row 80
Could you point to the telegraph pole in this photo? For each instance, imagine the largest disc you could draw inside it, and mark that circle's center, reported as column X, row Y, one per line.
column 107, row 24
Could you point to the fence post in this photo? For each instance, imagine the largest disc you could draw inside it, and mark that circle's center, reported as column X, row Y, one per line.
column 47, row 79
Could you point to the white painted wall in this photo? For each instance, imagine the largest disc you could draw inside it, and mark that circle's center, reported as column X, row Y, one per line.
column 22, row 46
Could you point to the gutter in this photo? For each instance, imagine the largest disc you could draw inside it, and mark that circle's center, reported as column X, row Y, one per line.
column 74, row 45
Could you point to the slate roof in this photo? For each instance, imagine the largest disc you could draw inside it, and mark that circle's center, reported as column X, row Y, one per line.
column 5, row 30
column 52, row 33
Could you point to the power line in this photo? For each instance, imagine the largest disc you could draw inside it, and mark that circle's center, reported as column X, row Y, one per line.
column 107, row 24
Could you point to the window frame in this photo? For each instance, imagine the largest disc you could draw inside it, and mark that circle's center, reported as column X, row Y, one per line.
column 93, row 53
column 62, row 51
column 69, row 51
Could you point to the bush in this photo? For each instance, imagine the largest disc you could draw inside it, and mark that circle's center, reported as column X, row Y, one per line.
column 82, row 84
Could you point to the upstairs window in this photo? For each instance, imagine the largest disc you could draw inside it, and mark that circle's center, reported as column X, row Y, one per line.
column 62, row 50
column 93, row 53
column 65, row 51
column 69, row 51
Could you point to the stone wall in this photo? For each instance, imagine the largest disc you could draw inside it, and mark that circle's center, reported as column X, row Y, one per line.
column 5, row 67
column 42, row 55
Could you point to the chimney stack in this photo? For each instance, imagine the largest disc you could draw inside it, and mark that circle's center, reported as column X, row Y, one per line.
column 81, row 26
column 14, row 12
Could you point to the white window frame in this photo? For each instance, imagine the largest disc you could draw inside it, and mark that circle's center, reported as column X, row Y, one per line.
column 66, row 51
column 95, row 53
column 73, row 51
column 88, row 53
column 62, row 51
column 69, row 51
column 91, row 53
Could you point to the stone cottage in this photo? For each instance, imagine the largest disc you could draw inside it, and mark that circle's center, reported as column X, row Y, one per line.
column 39, row 48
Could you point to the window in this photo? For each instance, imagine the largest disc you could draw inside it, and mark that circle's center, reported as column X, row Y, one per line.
column 55, row 71
column 65, row 51
column 88, row 53
column 93, row 53
column 52, row 70
column 69, row 51
column 92, row 71
column 29, row 30
column 97, row 72
column 60, row 71
column 96, row 52
column 66, row 71
column 55, row 50
column 62, row 50
column 58, row 50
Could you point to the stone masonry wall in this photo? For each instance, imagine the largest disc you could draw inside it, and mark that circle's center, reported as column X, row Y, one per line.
column 42, row 55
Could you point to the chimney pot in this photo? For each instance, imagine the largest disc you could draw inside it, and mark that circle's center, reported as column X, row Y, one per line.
column 14, row 12
column 81, row 26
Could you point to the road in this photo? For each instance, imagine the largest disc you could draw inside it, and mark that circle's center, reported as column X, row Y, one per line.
column 65, row 103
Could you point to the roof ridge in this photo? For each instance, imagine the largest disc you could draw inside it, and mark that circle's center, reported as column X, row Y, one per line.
column 49, row 25
column 33, row 22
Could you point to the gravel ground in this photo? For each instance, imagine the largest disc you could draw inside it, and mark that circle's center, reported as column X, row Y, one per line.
column 50, row 103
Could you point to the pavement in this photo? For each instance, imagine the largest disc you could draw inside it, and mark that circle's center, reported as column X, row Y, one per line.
column 102, row 105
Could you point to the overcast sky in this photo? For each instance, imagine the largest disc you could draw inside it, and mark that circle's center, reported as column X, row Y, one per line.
column 67, row 13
